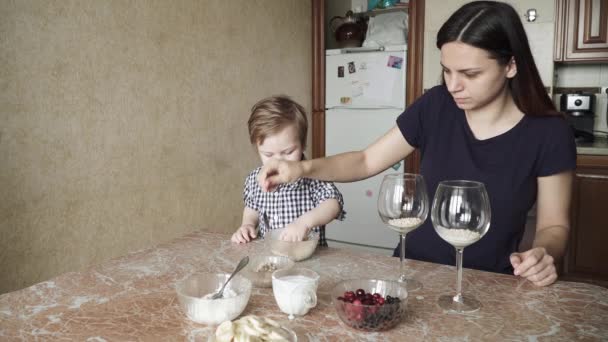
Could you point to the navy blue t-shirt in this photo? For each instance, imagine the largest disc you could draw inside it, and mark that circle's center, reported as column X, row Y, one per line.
column 508, row 164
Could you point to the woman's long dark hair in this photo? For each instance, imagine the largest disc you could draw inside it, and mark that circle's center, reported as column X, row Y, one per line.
column 496, row 27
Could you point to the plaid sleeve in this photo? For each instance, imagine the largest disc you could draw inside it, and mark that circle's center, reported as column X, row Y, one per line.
column 251, row 190
column 322, row 191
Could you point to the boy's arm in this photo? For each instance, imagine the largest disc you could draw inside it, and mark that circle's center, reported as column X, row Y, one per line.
column 322, row 214
column 247, row 231
column 250, row 217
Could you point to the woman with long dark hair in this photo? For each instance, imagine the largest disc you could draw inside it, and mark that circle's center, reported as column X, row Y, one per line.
column 490, row 121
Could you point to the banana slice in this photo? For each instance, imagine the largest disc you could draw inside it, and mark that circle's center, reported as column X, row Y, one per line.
column 272, row 322
column 251, row 329
column 259, row 325
column 225, row 332
column 278, row 335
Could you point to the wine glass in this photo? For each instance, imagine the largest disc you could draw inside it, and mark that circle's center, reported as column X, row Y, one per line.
column 403, row 205
column 461, row 215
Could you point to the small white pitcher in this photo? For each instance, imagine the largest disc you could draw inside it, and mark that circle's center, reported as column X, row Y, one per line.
column 295, row 290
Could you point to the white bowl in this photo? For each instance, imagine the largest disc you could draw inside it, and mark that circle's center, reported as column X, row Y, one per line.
column 212, row 311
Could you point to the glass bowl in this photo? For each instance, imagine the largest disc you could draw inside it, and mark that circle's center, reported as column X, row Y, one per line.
column 260, row 268
column 295, row 250
column 370, row 317
column 212, row 311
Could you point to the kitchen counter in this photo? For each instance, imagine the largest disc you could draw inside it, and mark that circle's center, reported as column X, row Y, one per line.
column 599, row 147
column 133, row 298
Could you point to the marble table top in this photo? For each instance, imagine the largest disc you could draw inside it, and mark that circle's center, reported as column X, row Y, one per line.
column 133, row 298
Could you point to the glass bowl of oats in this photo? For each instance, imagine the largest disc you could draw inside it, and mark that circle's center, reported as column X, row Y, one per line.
column 260, row 268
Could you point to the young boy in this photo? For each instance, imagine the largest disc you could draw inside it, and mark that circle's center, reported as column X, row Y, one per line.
column 278, row 129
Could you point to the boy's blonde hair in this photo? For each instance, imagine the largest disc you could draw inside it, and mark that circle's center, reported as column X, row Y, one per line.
column 272, row 114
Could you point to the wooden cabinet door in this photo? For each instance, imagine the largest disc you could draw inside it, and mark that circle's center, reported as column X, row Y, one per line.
column 588, row 245
column 581, row 31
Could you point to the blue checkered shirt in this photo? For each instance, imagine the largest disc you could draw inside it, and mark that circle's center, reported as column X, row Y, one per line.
column 289, row 201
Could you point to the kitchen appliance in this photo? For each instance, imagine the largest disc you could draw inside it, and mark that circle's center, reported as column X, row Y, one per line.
column 349, row 31
column 365, row 92
column 579, row 109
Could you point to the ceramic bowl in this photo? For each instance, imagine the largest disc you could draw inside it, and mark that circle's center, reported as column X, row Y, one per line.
column 370, row 317
column 212, row 311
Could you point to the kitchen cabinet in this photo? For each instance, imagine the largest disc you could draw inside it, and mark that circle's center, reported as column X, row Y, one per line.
column 588, row 244
column 581, row 31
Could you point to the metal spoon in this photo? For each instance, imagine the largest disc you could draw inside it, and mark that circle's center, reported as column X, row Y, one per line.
column 266, row 223
column 240, row 266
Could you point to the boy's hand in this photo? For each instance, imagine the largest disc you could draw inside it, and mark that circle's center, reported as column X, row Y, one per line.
column 244, row 234
column 294, row 232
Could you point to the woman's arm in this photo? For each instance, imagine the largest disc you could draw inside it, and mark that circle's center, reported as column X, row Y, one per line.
column 344, row 167
column 552, row 227
column 553, row 213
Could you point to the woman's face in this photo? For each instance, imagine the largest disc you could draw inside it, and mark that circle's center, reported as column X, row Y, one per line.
column 284, row 145
column 471, row 76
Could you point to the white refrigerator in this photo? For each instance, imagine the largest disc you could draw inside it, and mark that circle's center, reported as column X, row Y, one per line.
column 365, row 92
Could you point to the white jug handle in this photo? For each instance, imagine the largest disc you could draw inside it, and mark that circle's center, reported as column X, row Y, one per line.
column 311, row 299
column 310, row 296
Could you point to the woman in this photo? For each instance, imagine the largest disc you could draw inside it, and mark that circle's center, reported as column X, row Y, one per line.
column 491, row 121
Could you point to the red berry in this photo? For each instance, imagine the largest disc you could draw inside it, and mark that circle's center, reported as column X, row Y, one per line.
column 349, row 294
column 377, row 295
column 360, row 292
column 356, row 302
column 380, row 301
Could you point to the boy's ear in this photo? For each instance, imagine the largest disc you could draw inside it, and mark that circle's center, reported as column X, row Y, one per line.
column 511, row 68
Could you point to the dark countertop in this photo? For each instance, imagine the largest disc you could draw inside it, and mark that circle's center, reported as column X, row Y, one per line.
column 598, row 147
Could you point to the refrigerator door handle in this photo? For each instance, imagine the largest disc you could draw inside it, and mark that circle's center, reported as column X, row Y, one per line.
column 362, row 49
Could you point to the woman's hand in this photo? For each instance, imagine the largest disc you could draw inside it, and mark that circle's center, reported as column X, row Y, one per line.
column 244, row 234
column 276, row 172
column 535, row 265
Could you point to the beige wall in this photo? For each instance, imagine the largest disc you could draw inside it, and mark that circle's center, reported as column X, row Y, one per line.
column 123, row 123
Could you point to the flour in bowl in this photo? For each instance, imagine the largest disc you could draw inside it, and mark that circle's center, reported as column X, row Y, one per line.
column 228, row 293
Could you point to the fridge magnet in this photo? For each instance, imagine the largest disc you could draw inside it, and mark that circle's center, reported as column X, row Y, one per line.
column 345, row 100
column 351, row 68
column 340, row 71
column 396, row 166
column 369, row 193
column 395, row 62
